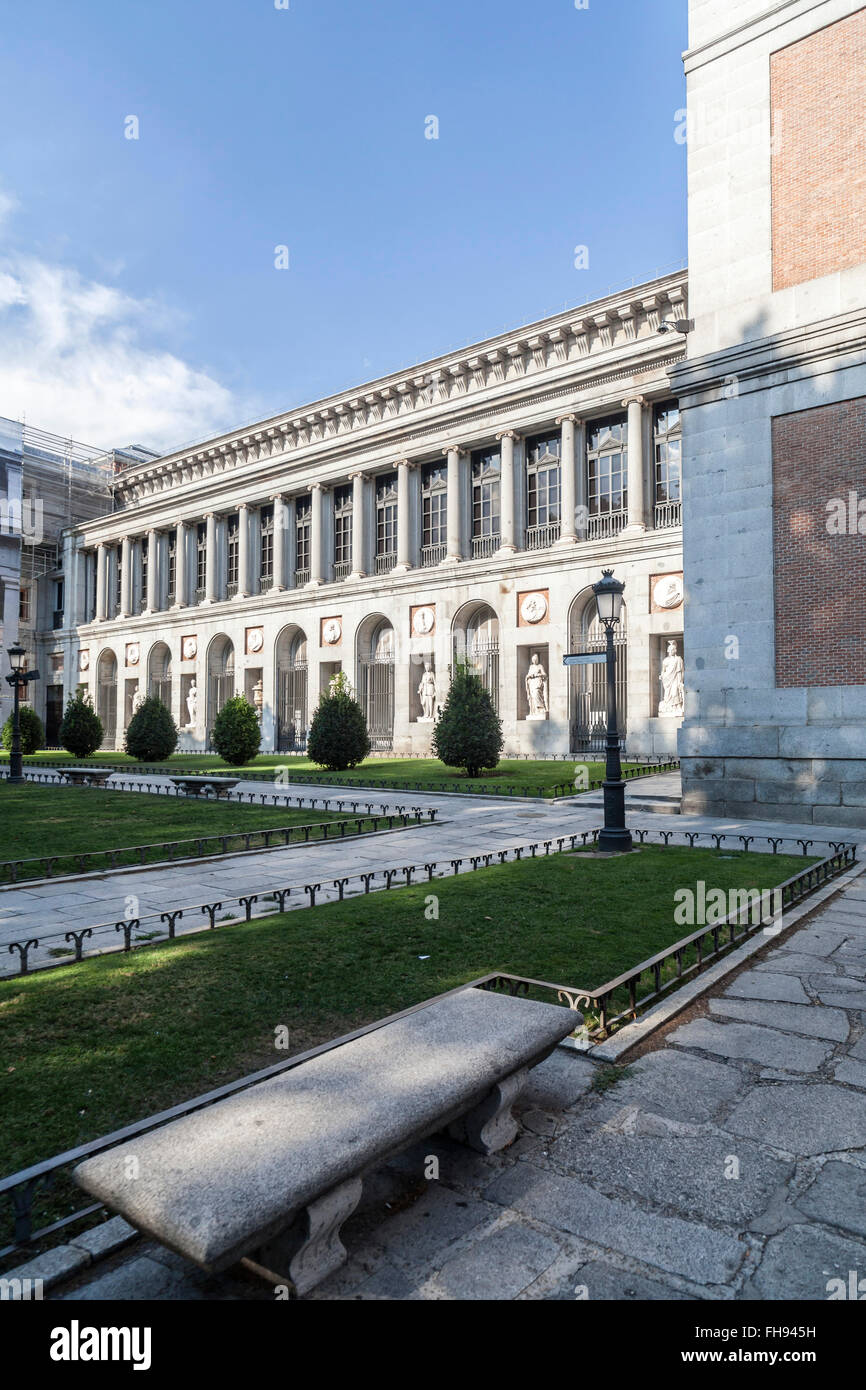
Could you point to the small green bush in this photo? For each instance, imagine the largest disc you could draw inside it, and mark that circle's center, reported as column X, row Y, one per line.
column 468, row 732
column 81, row 731
column 236, row 734
column 30, row 728
column 338, row 734
column 152, row 733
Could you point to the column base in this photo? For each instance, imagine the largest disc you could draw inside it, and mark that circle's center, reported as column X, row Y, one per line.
column 564, row 542
column 507, row 550
column 634, row 528
column 176, row 607
column 357, row 574
column 452, row 560
column 314, row 583
column 401, row 569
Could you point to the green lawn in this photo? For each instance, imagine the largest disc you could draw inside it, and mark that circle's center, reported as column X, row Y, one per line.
column 64, row 821
column 90, row 1047
column 513, row 776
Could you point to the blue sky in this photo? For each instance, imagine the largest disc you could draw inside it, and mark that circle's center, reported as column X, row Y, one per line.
column 139, row 299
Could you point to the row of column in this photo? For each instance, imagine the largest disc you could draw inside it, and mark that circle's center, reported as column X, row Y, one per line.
column 573, row 515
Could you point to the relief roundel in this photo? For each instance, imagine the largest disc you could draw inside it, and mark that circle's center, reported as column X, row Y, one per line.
column 423, row 620
column 668, row 591
column 533, row 608
column 332, row 631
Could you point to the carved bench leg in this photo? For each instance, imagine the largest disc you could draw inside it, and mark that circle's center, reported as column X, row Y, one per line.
column 312, row 1249
column 491, row 1125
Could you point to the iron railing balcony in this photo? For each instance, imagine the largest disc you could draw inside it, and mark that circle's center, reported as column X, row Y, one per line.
column 386, row 561
column 342, row 569
column 231, row 590
column 668, row 514
column 432, row 555
column 266, row 583
column 57, row 618
column 302, row 577
column 484, row 546
column 601, row 525
column 541, row 537
column 199, row 596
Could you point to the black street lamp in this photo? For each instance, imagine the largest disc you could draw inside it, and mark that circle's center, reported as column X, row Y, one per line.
column 614, row 838
column 18, row 680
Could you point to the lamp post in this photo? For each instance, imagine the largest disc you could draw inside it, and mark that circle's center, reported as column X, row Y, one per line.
column 18, row 680
column 614, row 838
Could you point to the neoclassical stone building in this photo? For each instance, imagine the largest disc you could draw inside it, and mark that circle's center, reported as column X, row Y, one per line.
column 460, row 510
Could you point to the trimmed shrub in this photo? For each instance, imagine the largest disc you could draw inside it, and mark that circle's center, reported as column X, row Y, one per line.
column 152, row 733
column 338, row 734
column 81, row 731
column 236, row 734
column 30, row 728
column 468, row 732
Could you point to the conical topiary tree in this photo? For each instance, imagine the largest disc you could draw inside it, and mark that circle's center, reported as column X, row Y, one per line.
column 236, row 734
column 468, row 732
column 30, row 728
column 338, row 735
column 152, row 733
column 81, row 730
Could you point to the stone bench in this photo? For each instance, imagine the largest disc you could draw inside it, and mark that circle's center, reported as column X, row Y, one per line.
column 194, row 785
column 88, row 776
column 272, row 1172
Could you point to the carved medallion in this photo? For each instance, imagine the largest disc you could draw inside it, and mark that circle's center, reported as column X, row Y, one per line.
column 668, row 591
column 133, row 652
column 188, row 648
column 423, row 620
column 332, row 631
column 255, row 639
column 533, row 608
column 84, row 661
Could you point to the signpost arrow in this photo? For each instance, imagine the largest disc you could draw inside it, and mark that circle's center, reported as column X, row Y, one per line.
column 585, row 659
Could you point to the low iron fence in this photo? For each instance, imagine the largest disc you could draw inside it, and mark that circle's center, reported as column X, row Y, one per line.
column 645, row 768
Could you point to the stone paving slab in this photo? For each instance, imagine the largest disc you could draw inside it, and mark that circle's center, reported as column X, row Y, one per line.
column 838, row 1197
column 800, row 1262
column 802, row 1119
column 764, row 984
column 809, row 1020
column 754, row 1044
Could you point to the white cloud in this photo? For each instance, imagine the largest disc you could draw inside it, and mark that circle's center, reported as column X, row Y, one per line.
column 79, row 358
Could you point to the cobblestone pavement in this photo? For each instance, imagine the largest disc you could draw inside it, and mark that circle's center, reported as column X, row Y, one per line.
column 464, row 826
column 727, row 1163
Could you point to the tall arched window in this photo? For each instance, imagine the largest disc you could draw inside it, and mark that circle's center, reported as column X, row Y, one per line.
column 376, row 680
column 476, row 642
column 106, row 696
column 221, row 677
column 159, row 673
column 292, row 686
column 588, row 684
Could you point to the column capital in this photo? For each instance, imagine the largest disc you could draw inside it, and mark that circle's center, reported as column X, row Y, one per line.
column 317, row 487
column 509, row 434
column 634, row 399
column 243, row 506
column 179, row 522
column 277, row 497
column 570, row 417
column 405, row 463
column 455, row 449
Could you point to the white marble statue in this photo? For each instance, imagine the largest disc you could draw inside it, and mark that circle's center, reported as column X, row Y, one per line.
column 192, row 704
column 427, row 694
column 138, row 700
column 536, row 689
column 672, row 703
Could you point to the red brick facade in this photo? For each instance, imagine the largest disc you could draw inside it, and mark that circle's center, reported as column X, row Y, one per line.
column 819, row 542
column 818, row 102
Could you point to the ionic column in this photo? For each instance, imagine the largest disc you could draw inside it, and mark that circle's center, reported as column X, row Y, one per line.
column 125, row 577
column 291, row 541
column 317, row 559
column 357, row 526
column 454, row 528
column 101, row 584
column 210, row 591
column 404, row 561
column 507, row 544
column 180, row 565
column 636, row 503
column 279, row 541
column 152, row 571
column 244, row 587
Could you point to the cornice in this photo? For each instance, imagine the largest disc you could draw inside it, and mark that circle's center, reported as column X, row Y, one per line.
column 555, row 343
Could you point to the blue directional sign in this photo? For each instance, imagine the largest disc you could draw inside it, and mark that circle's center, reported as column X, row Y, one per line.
column 585, row 659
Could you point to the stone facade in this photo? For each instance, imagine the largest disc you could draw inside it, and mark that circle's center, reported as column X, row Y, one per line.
column 768, row 369
column 462, row 510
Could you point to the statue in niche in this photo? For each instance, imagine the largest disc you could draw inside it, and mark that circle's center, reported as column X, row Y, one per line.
column 138, row 700
column 427, row 694
column 673, row 701
column 192, row 704
column 259, row 697
column 536, row 689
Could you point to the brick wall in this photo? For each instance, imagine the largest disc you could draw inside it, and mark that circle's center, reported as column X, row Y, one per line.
column 819, row 460
column 818, row 101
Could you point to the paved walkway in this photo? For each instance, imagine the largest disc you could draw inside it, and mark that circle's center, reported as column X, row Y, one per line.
column 727, row 1163
column 464, row 826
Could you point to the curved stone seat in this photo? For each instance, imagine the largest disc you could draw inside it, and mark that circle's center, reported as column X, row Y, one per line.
column 273, row 1171
column 221, row 785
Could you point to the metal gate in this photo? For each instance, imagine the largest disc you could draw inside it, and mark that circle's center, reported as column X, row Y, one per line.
column 292, row 707
column 485, row 659
column 160, row 688
column 377, row 700
column 221, row 689
column 107, row 707
column 588, row 698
